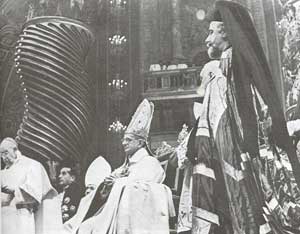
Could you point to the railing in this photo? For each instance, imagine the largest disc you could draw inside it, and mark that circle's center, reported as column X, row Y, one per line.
column 172, row 84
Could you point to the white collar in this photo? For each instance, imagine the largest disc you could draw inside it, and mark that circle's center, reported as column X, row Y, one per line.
column 138, row 155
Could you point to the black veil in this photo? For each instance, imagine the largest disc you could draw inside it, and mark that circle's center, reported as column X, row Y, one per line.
column 250, row 67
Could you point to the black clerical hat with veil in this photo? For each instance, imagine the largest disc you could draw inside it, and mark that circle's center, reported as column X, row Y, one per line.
column 250, row 67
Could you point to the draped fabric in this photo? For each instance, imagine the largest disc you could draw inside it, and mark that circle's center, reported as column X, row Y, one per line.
column 242, row 205
column 145, row 207
column 133, row 207
column 297, row 110
column 250, row 67
column 32, row 187
column 136, row 203
column 185, row 203
column 220, row 198
column 246, row 69
column 227, row 194
column 284, row 195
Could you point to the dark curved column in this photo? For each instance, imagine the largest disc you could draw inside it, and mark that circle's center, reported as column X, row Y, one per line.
column 50, row 62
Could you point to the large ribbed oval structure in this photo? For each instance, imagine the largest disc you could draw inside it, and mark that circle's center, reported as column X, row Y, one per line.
column 50, row 61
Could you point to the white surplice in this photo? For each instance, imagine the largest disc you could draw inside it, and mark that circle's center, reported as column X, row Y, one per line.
column 31, row 183
column 136, row 202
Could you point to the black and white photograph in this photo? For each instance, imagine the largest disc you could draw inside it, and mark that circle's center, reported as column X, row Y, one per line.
column 150, row 116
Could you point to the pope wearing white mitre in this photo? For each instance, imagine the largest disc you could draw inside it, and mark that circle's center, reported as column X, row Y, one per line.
column 25, row 187
column 138, row 202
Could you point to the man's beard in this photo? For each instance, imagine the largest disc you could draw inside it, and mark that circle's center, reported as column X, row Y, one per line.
column 213, row 52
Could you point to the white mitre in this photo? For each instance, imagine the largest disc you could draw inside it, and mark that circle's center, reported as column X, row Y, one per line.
column 97, row 172
column 139, row 125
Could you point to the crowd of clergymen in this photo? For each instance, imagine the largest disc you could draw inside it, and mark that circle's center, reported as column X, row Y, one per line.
column 129, row 199
column 231, row 185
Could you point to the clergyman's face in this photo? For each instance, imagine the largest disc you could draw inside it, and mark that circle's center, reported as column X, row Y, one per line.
column 131, row 144
column 8, row 156
column 216, row 39
column 65, row 178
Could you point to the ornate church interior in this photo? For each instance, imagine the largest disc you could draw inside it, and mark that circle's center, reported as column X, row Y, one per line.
column 104, row 57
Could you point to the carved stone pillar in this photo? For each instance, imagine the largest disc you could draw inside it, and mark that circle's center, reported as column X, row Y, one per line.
column 10, row 98
column 50, row 62
column 177, row 46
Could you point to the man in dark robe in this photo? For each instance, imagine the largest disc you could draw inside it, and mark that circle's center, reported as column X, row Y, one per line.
column 71, row 192
column 224, row 147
